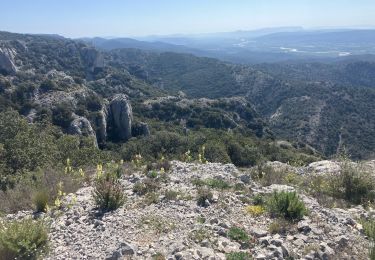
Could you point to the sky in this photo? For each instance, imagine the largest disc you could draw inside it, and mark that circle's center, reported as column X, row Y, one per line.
column 130, row 18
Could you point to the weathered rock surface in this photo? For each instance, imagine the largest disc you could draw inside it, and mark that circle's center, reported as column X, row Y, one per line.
column 101, row 125
column 7, row 64
column 120, row 117
column 82, row 126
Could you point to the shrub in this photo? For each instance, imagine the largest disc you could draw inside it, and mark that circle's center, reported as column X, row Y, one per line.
column 108, row 193
column 23, row 239
column 151, row 198
column 145, row 186
column 287, row 205
column 217, row 184
column 216, row 152
column 358, row 185
column 255, row 211
column 258, row 199
column 238, row 256
column 238, row 234
column 171, row 195
column 204, row 195
column 158, row 256
column 152, row 174
column 369, row 230
column 279, row 226
column 267, row 175
column 198, row 235
column 41, row 199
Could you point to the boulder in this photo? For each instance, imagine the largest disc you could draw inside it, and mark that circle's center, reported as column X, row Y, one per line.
column 7, row 61
column 324, row 167
column 120, row 117
column 82, row 126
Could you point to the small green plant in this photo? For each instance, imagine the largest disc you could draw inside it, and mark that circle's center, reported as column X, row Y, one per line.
column 151, row 198
column 145, row 186
column 369, row 230
column 239, row 187
column 259, row 200
column 200, row 234
column 158, row 256
column 198, row 182
column 279, row 226
column 156, row 223
column 287, row 205
column 238, row 256
column 238, row 234
column 217, row 184
column 171, row 195
column 152, row 174
column 201, row 220
column 41, row 199
column 23, row 239
column 204, row 197
column 108, row 193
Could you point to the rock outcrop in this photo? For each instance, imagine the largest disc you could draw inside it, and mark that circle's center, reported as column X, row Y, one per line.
column 7, row 64
column 101, row 125
column 120, row 117
column 82, row 126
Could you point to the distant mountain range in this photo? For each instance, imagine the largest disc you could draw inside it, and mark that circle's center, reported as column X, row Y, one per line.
column 258, row 46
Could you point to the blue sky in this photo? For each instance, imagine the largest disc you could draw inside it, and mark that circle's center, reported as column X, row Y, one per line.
column 77, row 18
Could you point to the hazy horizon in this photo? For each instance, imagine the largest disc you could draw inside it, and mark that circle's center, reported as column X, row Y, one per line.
column 128, row 18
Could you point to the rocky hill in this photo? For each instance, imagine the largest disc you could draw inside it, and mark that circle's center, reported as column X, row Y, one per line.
column 165, row 221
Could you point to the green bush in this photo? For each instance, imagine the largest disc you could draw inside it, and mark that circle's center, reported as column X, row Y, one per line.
column 287, row 205
column 238, row 234
column 204, row 195
column 41, row 199
column 171, row 195
column 217, row 184
column 359, row 186
column 23, row 239
column 151, row 198
column 146, row 186
column 369, row 230
column 108, row 193
column 238, row 256
column 259, row 199
column 216, row 152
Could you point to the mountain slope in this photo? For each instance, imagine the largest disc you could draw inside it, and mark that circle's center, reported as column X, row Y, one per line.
column 330, row 111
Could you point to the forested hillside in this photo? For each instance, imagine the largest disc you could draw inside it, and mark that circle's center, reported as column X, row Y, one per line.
column 328, row 106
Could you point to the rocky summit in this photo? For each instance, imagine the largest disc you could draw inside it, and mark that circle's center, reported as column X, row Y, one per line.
column 172, row 225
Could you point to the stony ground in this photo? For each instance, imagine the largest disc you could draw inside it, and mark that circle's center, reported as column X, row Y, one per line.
column 180, row 229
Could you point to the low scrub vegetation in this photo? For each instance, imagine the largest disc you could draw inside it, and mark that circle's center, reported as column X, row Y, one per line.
column 23, row 239
column 108, row 192
column 41, row 199
column 238, row 234
column 238, row 256
column 287, row 205
column 204, row 197
column 369, row 230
